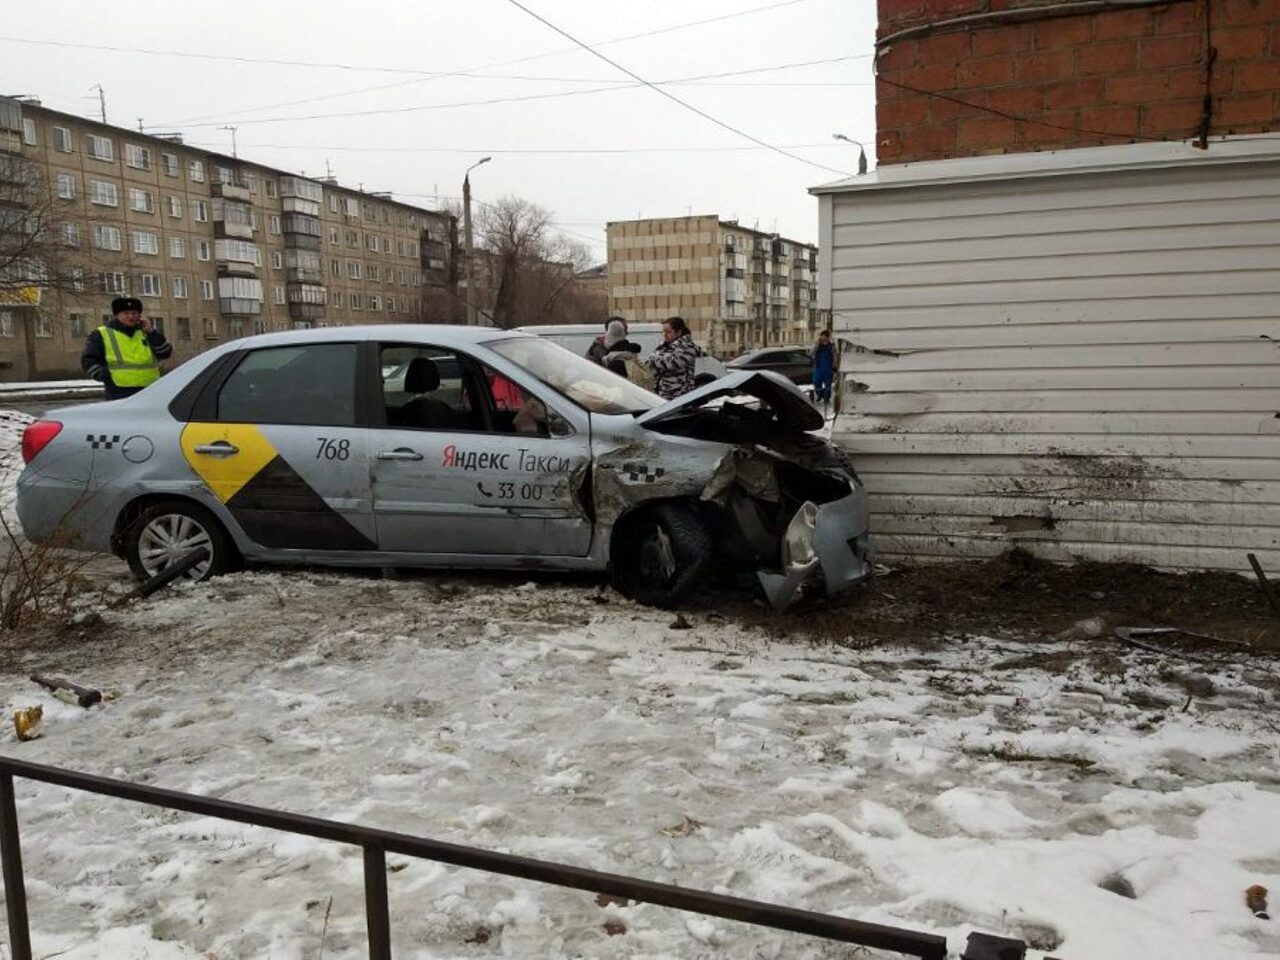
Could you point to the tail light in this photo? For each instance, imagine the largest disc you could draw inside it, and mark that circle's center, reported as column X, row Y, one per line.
column 37, row 436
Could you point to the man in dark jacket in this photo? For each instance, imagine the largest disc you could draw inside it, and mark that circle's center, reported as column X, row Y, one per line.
column 125, row 353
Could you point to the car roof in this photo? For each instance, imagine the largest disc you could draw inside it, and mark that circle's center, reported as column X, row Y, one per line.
column 447, row 335
column 552, row 329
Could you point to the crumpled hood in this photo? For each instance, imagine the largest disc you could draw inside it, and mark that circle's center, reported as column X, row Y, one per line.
column 781, row 396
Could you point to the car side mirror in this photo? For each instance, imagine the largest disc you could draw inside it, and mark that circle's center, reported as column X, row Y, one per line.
column 558, row 426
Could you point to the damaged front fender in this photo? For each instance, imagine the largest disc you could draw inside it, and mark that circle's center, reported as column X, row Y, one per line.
column 825, row 548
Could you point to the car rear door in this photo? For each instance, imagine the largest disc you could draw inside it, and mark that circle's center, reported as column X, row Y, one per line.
column 461, row 463
column 275, row 438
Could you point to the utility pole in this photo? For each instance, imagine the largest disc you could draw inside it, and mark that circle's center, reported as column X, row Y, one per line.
column 470, row 252
column 139, row 124
column 233, row 140
column 102, row 100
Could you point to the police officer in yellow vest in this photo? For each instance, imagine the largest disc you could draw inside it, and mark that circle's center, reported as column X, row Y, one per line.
column 125, row 353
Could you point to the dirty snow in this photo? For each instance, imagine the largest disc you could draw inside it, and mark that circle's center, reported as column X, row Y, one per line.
column 952, row 787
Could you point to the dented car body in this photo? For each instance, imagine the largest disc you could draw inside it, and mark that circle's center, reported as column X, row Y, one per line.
column 451, row 447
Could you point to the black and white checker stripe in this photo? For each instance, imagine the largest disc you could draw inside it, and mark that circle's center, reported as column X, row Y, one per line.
column 102, row 441
column 642, row 472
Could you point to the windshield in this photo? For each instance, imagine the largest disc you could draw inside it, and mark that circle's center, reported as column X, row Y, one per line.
column 587, row 384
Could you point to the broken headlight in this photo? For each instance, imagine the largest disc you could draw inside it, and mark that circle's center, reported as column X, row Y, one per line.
column 797, row 542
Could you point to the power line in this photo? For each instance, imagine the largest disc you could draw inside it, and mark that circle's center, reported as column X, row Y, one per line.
column 530, row 151
column 672, row 97
column 419, row 75
column 615, row 85
column 1012, row 116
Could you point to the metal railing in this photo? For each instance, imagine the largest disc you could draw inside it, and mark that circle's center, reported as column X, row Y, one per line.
column 376, row 844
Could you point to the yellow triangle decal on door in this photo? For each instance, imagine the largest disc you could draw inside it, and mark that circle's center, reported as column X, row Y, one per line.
column 226, row 474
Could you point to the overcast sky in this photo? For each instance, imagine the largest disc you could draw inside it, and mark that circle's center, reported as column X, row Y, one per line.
column 408, row 137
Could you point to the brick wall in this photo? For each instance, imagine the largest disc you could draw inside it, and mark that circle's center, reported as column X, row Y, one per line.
column 1110, row 77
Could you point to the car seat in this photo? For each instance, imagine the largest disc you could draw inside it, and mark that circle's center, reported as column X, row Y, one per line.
column 423, row 377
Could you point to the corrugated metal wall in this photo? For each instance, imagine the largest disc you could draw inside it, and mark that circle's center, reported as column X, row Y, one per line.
column 1087, row 365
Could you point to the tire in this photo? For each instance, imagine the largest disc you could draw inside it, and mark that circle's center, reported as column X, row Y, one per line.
column 662, row 553
column 168, row 530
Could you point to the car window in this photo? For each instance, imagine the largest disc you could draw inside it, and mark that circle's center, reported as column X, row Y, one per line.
column 798, row 356
column 312, row 384
column 434, row 388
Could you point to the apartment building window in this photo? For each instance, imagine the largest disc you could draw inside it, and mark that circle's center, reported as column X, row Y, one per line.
column 273, row 224
column 28, row 131
column 350, row 207
column 111, row 283
column 175, row 206
column 200, row 211
column 105, row 237
column 141, row 200
column 75, row 277
column 6, row 323
column 391, row 304
column 44, row 325
column 335, row 268
column 179, row 288
column 182, row 327
column 149, row 284
column 137, row 157
column 371, row 242
column 357, row 302
column 195, row 171
column 375, row 273
column 333, row 203
column 169, row 164
column 353, row 269
column 157, row 323
column 375, row 302
column 66, row 186
column 71, row 234
column 177, row 248
column 337, row 299
column 103, row 193
column 333, row 235
column 76, row 324
column 209, row 328
column 353, row 238
column 99, row 148
column 203, row 250
column 277, row 260
column 386, row 244
column 145, row 242
column 270, row 187
column 206, row 289
column 62, row 139
column 279, row 293
column 251, row 182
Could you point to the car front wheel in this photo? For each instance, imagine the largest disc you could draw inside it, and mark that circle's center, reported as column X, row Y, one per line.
column 166, row 532
column 662, row 554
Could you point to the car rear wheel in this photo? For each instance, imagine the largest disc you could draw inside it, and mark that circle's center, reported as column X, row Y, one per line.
column 166, row 532
column 662, row 554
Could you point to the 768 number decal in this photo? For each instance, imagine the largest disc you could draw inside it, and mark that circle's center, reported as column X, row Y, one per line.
column 331, row 449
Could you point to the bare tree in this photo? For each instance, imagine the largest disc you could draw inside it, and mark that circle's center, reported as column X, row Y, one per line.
column 34, row 242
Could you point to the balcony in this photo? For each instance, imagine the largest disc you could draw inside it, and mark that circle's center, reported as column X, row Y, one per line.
column 305, row 207
column 239, row 307
column 307, row 294
column 306, row 311
column 232, row 191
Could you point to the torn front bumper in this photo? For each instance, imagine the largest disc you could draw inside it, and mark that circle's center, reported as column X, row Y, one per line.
column 826, row 550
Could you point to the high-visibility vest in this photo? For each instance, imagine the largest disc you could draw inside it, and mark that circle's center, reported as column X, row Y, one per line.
column 129, row 358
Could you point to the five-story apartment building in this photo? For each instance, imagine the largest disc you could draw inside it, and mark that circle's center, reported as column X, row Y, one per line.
column 216, row 247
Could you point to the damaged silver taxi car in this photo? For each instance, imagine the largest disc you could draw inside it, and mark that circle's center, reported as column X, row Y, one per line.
column 451, row 447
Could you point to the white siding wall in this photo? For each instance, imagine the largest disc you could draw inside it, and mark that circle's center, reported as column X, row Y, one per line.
column 1087, row 365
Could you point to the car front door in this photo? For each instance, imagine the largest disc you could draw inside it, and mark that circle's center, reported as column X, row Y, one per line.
column 464, row 461
column 275, row 439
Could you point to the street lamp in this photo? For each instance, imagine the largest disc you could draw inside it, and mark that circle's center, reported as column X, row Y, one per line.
column 466, row 227
column 862, row 151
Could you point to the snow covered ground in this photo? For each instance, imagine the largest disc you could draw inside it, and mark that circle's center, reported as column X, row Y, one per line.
column 965, row 783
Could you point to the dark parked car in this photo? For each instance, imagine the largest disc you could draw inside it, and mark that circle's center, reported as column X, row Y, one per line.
column 794, row 363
